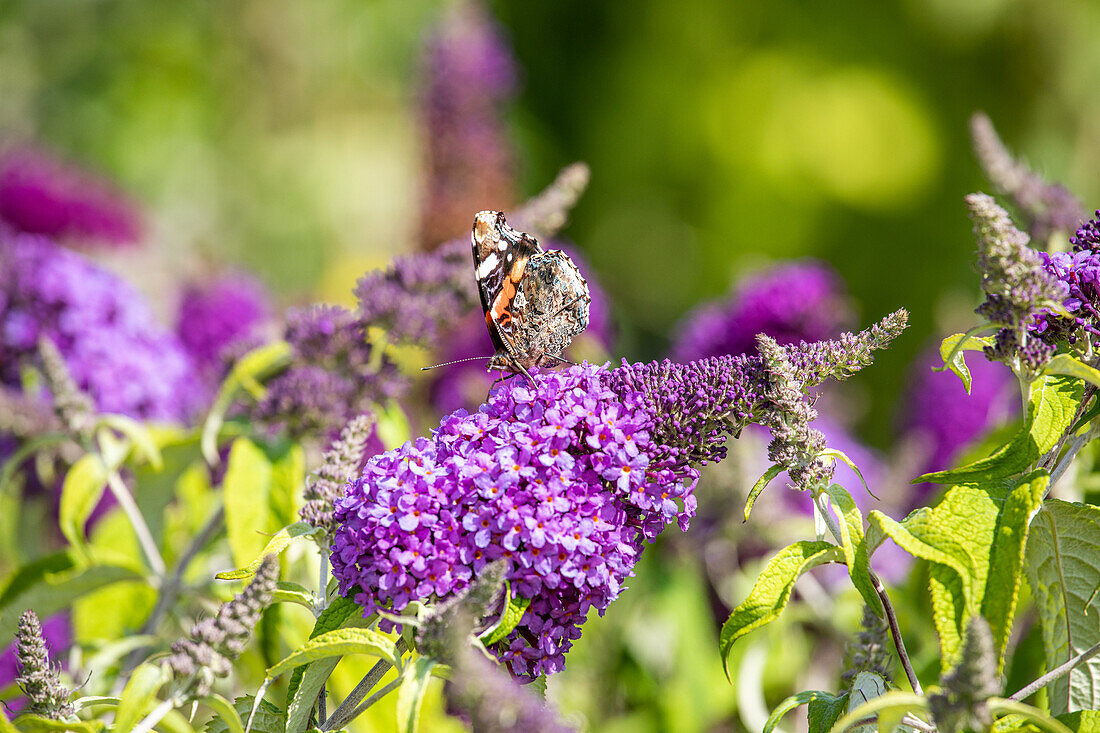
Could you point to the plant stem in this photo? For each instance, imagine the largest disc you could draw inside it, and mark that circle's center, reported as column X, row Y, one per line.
column 141, row 529
column 348, row 706
column 171, row 587
column 155, row 716
column 880, row 589
column 1071, row 453
column 375, row 698
column 1060, row 671
column 322, row 604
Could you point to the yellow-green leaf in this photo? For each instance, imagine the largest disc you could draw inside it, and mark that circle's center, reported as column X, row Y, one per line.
column 1063, row 568
column 248, row 514
column 81, row 491
column 278, row 542
column 411, row 694
column 854, row 545
column 140, row 692
column 951, row 351
column 337, row 643
column 772, row 591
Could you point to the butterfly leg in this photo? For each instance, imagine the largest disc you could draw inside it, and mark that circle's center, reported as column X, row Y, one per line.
column 561, row 360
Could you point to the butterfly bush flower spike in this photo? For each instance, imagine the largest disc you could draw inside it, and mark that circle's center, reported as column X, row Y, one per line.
column 333, row 375
column 471, row 75
column 39, row 679
column 339, row 463
column 1047, row 207
column 1016, row 285
column 215, row 642
column 565, row 478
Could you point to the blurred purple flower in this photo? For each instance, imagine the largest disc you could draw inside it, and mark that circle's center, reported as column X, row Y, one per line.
column 112, row 345
column 566, row 478
column 58, row 633
column 220, row 313
column 40, row 195
column 791, row 302
column 333, row 375
column 1047, row 207
column 943, row 418
column 465, row 385
column 470, row 75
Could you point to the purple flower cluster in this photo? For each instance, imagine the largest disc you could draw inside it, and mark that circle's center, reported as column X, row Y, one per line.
column 565, row 478
column 465, row 385
column 39, row 195
column 218, row 314
column 1079, row 273
column 113, row 347
column 470, row 76
column 792, row 302
column 557, row 477
column 333, row 375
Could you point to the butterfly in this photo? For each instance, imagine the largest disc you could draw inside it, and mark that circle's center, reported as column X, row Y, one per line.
column 535, row 301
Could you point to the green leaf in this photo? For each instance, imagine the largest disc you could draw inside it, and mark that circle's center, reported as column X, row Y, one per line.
column 278, row 542
column 5, row 724
column 1069, row 366
column 1082, row 721
column 854, row 545
column 1053, row 403
column 792, row 702
column 37, row 724
column 824, row 711
column 337, row 643
column 248, row 512
column 1033, row 715
column 225, row 712
column 81, row 491
column 343, row 611
column 138, row 695
column 305, row 694
column 288, row 474
column 411, row 694
column 93, row 701
column 392, row 425
column 974, row 539
column 892, row 701
column 245, row 374
column 1063, row 570
column 759, row 486
column 49, row 587
column 268, row 718
column 142, row 439
column 514, row 608
column 951, row 351
column 772, row 590
column 843, row 458
column 287, row 592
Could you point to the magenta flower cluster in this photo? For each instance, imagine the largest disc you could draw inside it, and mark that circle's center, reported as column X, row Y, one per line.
column 1078, row 272
column 555, row 477
column 112, row 344
column 40, row 195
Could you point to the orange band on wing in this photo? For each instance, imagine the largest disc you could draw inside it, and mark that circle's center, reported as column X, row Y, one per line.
column 499, row 311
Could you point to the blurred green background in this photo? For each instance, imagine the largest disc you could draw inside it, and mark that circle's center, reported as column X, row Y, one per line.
column 283, row 134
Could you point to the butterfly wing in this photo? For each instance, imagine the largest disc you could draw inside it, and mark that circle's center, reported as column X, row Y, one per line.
column 501, row 255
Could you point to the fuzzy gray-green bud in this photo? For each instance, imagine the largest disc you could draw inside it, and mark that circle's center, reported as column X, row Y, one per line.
column 38, row 679
column 961, row 705
column 71, row 404
column 215, row 642
column 338, row 463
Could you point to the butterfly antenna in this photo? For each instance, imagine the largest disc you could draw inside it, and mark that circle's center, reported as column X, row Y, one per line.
column 456, row 361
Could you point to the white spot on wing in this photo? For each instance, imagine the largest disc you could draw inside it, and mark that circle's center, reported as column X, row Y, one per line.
column 486, row 266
